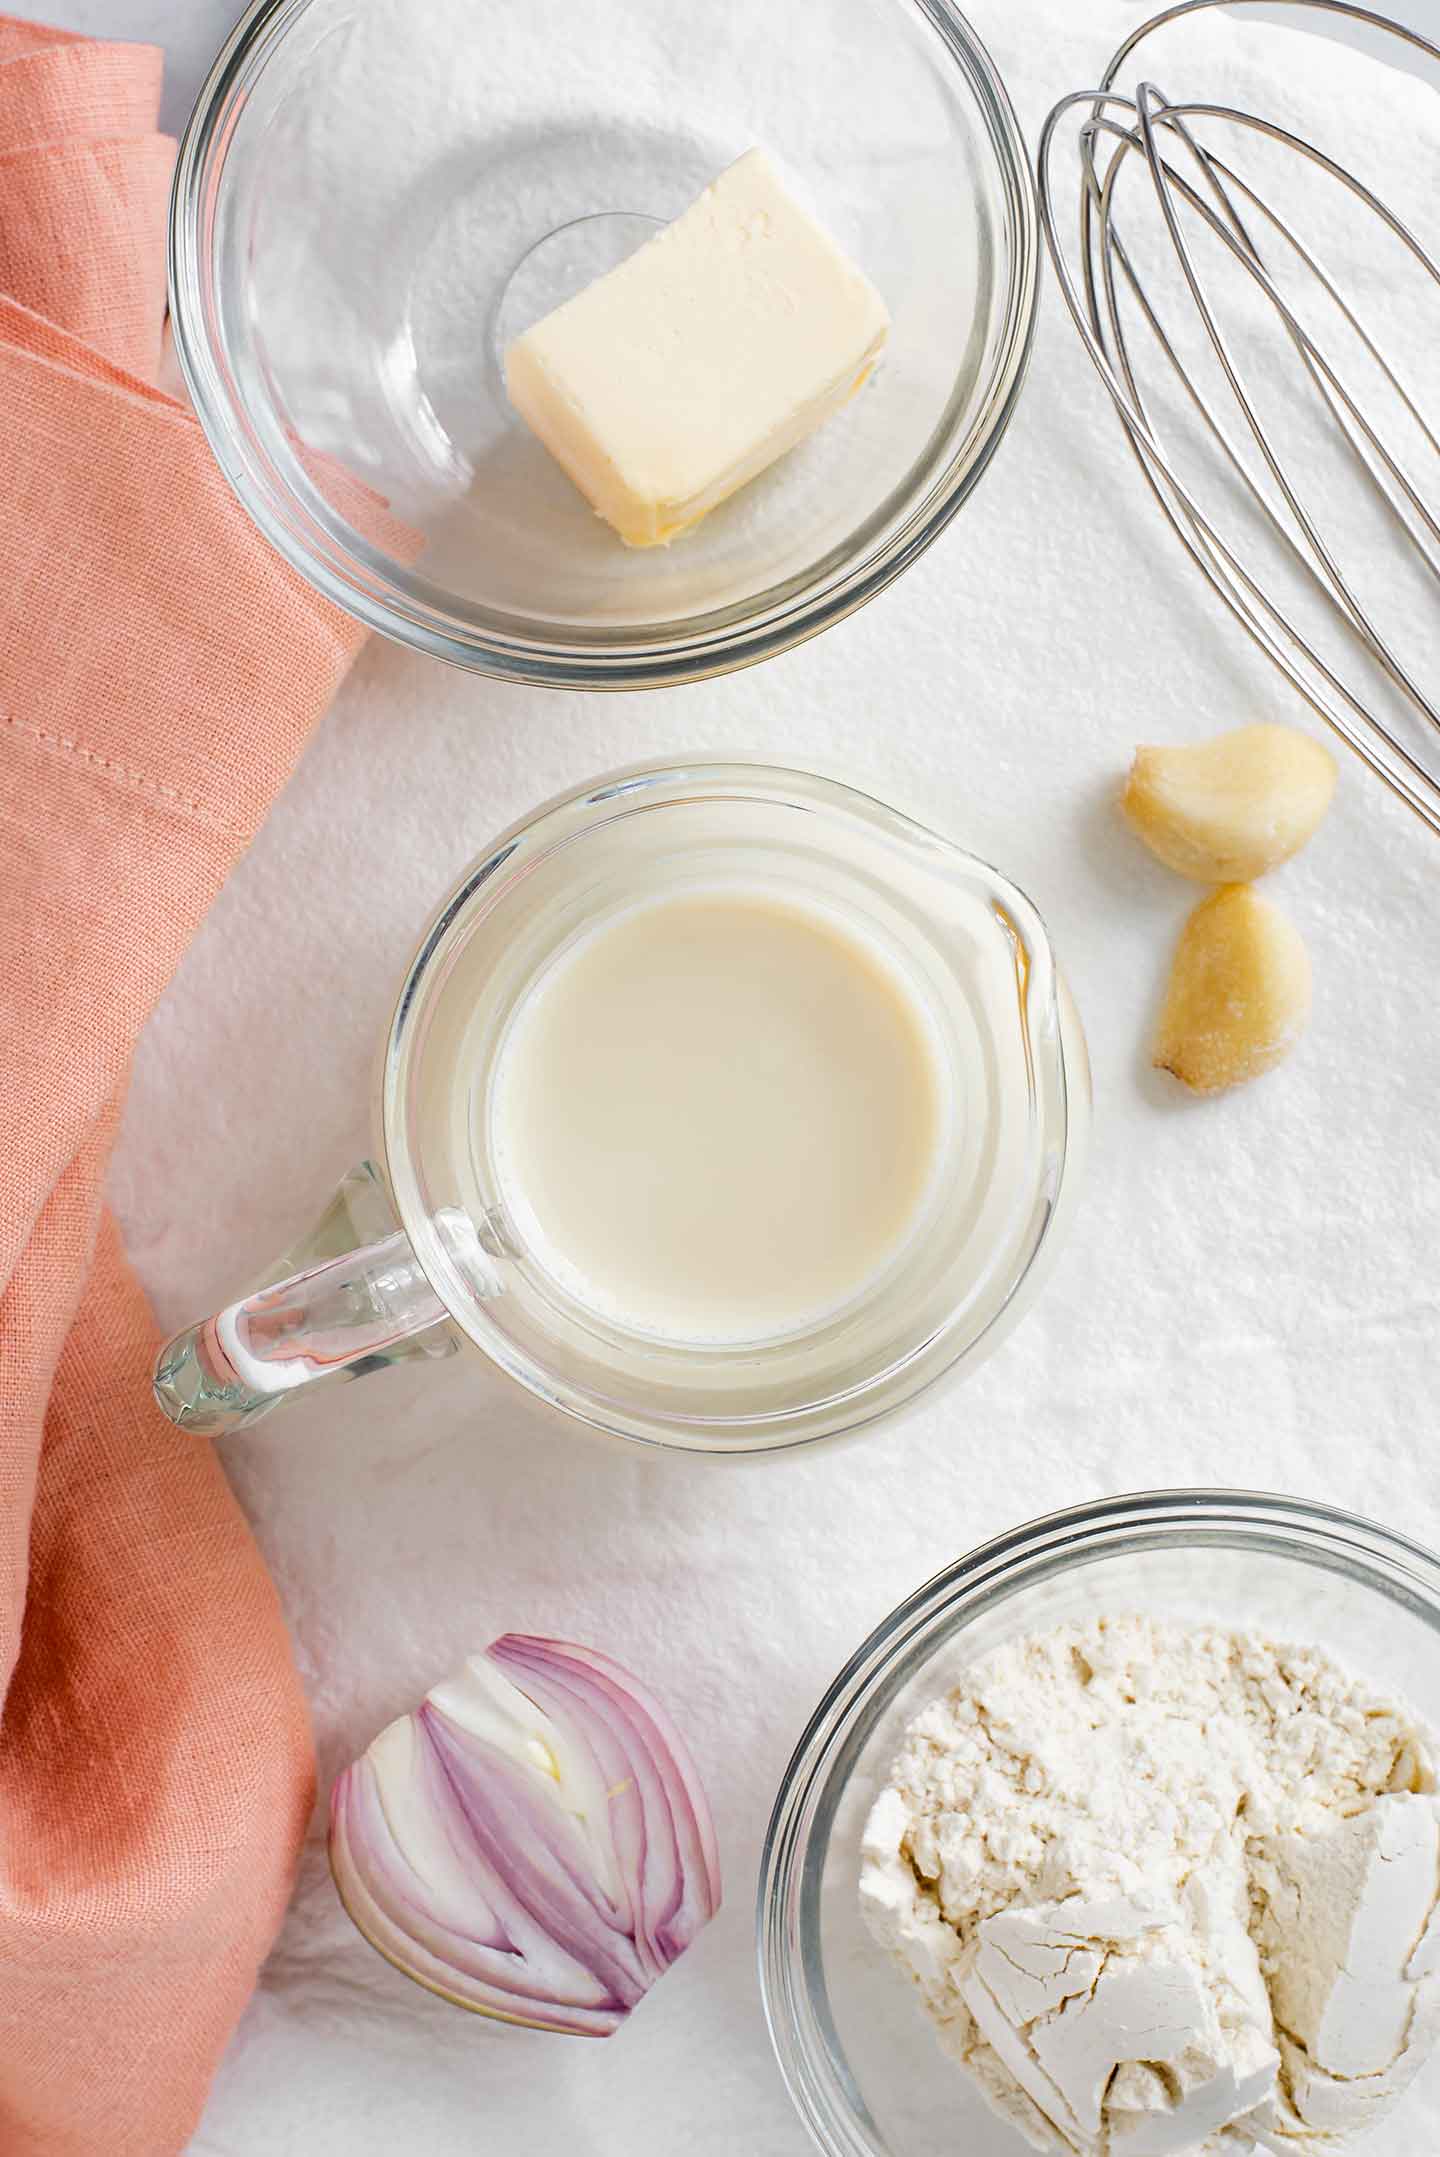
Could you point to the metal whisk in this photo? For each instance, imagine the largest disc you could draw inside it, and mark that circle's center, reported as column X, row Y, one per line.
column 1222, row 418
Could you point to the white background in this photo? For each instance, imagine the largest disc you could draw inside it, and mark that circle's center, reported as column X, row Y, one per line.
column 1249, row 1297
column 192, row 31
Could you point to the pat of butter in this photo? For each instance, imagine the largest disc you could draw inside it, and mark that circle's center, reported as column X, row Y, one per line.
column 679, row 376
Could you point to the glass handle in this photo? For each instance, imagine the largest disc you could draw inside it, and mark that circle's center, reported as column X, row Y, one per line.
column 351, row 1299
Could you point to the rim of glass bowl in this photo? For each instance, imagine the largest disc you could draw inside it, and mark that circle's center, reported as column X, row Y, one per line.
column 561, row 823
column 791, row 1981
column 489, row 642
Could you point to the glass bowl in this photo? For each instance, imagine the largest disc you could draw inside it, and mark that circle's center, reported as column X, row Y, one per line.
column 857, row 2052
column 373, row 199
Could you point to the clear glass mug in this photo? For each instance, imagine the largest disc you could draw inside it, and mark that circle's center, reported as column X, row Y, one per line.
column 418, row 1254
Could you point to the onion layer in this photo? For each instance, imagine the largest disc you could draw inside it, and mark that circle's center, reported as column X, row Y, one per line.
column 532, row 1843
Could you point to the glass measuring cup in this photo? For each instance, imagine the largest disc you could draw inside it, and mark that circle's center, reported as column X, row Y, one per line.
column 419, row 1254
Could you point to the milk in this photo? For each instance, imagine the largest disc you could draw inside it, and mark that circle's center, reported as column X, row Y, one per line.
column 718, row 1115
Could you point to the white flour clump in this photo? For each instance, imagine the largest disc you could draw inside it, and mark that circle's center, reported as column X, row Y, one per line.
column 1167, row 1890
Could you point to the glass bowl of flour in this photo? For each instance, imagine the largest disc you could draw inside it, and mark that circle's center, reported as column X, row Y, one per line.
column 374, row 199
column 1121, row 1837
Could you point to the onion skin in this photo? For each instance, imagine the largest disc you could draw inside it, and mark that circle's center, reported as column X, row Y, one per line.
column 533, row 1843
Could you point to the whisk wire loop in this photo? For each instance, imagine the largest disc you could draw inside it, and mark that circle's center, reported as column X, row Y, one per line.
column 1243, row 227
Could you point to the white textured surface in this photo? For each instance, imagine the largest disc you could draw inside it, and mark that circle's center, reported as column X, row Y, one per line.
column 1250, row 1295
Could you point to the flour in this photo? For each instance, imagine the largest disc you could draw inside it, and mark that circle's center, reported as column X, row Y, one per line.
column 1167, row 1890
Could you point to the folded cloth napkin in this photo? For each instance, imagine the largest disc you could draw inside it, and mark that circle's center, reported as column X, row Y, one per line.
column 159, row 671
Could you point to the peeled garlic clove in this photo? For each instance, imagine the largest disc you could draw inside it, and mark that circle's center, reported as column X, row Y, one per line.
column 1239, row 993
column 1226, row 810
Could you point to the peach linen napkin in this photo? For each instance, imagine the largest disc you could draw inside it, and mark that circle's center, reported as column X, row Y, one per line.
column 159, row 671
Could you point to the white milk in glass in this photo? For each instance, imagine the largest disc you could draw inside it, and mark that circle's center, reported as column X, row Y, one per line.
column 718, row 1116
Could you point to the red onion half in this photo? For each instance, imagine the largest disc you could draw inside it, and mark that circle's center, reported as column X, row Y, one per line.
column 533, row 1843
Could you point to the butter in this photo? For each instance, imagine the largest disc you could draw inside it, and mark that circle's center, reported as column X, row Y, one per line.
column 680, row 376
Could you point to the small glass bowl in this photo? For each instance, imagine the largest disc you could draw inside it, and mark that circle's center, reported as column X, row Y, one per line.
column 858, row 2055
column 373, row 199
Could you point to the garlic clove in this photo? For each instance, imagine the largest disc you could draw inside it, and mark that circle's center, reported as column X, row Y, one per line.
column 1226, row 810
column 1239, row 993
